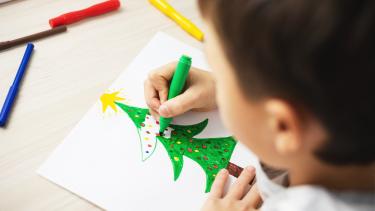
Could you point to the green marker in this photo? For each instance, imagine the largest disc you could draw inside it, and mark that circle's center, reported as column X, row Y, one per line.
column 177, row 84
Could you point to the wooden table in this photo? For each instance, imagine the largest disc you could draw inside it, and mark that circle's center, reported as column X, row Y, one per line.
column 67, row 74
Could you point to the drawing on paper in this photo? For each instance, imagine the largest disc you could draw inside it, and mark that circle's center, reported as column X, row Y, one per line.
column 212, row 154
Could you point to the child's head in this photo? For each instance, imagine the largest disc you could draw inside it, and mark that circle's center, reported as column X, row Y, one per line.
column 294, row 77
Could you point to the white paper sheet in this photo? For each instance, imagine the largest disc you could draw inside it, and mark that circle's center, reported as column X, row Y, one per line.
column 101, row 161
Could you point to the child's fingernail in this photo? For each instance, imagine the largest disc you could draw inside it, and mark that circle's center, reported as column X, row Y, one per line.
column 223, row 172
column 163, row 110
column 250, row 169
column 155, row 106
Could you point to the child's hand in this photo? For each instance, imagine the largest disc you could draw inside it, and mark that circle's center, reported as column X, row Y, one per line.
column 237, row 198
column 198, row 96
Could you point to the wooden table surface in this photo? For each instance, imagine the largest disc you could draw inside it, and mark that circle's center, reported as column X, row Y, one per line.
column 66, row 75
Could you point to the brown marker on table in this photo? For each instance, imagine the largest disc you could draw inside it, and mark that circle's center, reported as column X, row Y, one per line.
column 33, row 37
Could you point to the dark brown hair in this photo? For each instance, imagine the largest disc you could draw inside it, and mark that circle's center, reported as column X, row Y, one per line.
column 316, row 53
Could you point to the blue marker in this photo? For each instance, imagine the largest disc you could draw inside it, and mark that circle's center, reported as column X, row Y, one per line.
column 12, row 93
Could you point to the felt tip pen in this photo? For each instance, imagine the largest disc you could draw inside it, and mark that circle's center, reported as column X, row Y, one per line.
column 11, row 96
column 183, row 22
column 11, row 43
column 178, row 82
column 75, row 16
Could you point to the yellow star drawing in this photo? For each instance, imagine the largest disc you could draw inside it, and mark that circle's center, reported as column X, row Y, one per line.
column 109, row 99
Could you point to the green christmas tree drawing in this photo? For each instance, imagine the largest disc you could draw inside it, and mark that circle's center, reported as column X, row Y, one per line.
column 211, row 154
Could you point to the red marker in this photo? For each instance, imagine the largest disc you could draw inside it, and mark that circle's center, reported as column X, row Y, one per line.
column 75, row 16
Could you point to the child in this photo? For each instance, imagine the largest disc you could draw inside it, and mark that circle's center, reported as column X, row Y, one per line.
column 293, row 81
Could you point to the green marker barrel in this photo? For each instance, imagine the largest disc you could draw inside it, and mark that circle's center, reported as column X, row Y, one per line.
column 177, row 84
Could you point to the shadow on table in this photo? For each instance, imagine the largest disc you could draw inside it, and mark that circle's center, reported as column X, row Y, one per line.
column 10, row 3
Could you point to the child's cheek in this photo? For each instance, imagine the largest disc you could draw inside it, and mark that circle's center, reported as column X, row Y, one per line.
column 228, row 104
column 223, row 106
column 241, row 119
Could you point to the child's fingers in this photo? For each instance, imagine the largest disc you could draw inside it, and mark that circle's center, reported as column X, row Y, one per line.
column 165, row 71
column 252, row 198
column 151, row 96
column 161, row 87
column 242, row 183
column 179, row 105
column 217, row 188
column 159, row 78
column 155, row 114
column 163, row 95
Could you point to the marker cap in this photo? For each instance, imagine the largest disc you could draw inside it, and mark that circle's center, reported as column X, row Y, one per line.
column 186, row 60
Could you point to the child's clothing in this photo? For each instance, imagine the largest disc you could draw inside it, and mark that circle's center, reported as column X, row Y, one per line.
column 315, row 198
column 309, row 197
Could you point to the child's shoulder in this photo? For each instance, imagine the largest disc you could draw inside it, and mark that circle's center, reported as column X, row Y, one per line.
column 308, row 197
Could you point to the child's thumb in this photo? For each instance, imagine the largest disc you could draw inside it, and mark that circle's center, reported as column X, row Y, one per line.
column 177, row 105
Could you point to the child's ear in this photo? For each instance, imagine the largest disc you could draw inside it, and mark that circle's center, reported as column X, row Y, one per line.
column 285, row 126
